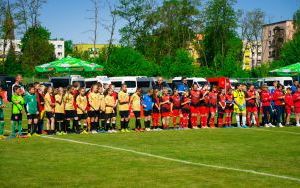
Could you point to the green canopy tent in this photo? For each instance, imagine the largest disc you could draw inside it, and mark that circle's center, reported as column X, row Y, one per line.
column 290, row 70
column 68, row 65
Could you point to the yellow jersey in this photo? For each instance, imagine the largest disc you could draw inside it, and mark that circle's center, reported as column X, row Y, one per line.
column 81, row 102
column 109, row 104
column 48, row 103
column 123, row 101
column 69, row 101
column 135, row 101
column 240, row 101
column 59, row 104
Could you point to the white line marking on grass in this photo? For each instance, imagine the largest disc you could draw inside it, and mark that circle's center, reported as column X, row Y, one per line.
column 176, row 160
column 261, row 129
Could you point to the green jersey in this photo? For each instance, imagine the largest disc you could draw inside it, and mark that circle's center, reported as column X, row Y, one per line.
column 17, row 104
column 1, row 109
column 31, row 103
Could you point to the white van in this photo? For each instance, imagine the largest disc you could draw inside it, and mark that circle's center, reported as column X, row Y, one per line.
column 130, row 81
column 145, row 83
column 104, row 80
column 66, row 81
column 193, row 80
column 285, row 81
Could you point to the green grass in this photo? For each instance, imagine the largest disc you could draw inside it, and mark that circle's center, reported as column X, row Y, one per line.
column 41, row 162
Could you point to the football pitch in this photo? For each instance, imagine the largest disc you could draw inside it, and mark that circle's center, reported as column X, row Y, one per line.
column 256, row 157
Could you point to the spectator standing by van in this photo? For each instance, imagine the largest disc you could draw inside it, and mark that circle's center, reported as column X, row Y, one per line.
column 183, row 86
column 295, row 86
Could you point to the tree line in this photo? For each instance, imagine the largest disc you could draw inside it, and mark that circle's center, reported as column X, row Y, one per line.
column 156, row 39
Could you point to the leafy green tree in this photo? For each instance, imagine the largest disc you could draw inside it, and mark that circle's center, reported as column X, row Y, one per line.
column 290, row 52
column 69, row 47
column 220, row 28
column 181, row 64
column 125, row 61
column 36, row 49
column 296, row 18
column 11, row 65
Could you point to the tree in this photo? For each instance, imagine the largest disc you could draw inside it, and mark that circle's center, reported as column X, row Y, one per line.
column 134, row 12
column 95, row 23
column 8, row 33
column 220, row 28
column 290, row 52
column 296, row 18
column 28, row 13
column 111, row 28
column 69, row 47
column 172, row 26
column 36, row 49
column 252, row 26
column 125, row 61
column 11, row 65
column 181, row 64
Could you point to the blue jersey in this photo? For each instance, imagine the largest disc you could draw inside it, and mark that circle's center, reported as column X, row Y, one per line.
column 147, row 102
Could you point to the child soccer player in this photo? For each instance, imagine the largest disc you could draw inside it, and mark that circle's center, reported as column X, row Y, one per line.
column 296, row 100
column 60, row 112
column 102, row 108
column 94, row 107
column 109, row 110
column 176, row 112
column 156, row 110
column 148, row 107
column 228, row 108
column 289, row 105
column 165, row 106
column 17, row 107
column 135, row 102
column 266, row 99
column 251, row 106
column 49, row 109
column 185, row 103
column 124, row 98
column 195, row 106
column 81, row 103
column 221, row 108
column 203, row 106
column 278, row 98
column 240, row 106
column 1, row 115
column 213, row 103
column 70, row 110
column 31, row 108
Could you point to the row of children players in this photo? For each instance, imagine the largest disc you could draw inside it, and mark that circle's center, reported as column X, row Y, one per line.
column 60, row 107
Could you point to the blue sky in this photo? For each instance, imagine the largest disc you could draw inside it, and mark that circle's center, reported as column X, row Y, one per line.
column 68, row 18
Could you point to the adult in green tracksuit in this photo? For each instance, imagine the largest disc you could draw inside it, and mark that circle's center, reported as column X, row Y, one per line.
column 17, row 107
column 31, row 109
column 1, row 117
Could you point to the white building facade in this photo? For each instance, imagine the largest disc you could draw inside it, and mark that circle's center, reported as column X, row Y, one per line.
column 59, row 47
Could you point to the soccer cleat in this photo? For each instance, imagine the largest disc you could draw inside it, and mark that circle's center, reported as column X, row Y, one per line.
column 58, row 133
column 270, row 125
column 109, row 131
column 94, row 132
column 2, row 137
column 35, row 134
column 28, row 135
column 148, row 129
column 245, row 126
column 267, row 126
column 127, row 130
column 297, row 125
column 280, row 125
column 123, row 131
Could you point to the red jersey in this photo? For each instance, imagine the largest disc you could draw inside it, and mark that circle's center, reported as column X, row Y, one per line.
column 213, row 98
column 176, row 102
column 115, row 95
column 265, row 97
column 250, row 94
column 166, row 106
column 229, row 100
column 156, row 103
column 205, row 96
column 296, row 99
column 222, row 100
column 195, row 97
column 277, row 97
column 40, row 101
column 187, row 105
column 288, row 100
